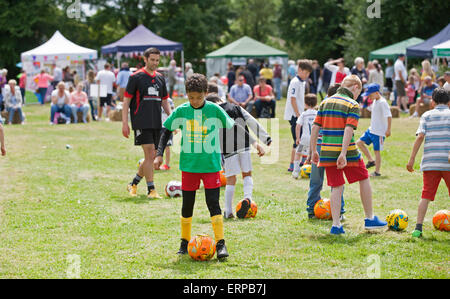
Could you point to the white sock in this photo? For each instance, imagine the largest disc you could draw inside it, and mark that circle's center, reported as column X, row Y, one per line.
column 229, row 194
column 297, row 166
column 248, row 187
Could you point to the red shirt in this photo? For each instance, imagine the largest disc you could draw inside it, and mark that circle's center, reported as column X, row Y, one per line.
column 267, row 91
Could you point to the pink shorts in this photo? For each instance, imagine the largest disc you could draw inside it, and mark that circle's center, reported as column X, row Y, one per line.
column 335, row 177
column 191, row 181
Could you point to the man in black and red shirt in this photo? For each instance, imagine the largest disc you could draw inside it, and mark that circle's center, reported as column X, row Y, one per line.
column 146, row 92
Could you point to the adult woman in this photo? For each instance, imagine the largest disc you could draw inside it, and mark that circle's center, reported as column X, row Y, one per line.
column 376, row 75
column 264, row 97
column 42, row 80
column 338, row 70
column 87, row 88
column 426, row 71
column 79, row 102
column 13, row 101
column 60, row 102
column 188, row 70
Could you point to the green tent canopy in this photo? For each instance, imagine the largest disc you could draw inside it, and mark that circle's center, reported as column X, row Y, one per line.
column 392, row 51
column 242, row 49
column 442, row 50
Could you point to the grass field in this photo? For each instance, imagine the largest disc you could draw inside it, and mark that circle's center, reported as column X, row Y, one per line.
column 58, row 203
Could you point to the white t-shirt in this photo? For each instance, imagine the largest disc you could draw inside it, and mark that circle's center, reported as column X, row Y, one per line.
column 400, row 67
column 380, row 112
column 334, row 69
column 447, row 86
column 106, row 78
column 306, row 120
column 60, row 100
column 297, row 90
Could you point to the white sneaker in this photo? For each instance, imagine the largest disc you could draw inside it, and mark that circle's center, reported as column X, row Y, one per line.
column 295, row 174
column 415, row 114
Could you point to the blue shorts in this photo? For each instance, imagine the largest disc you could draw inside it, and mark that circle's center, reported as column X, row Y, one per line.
column 370, row 138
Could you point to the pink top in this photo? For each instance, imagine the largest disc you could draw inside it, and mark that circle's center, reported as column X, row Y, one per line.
column 23, row 80
column 78, row 98
column 42, row 80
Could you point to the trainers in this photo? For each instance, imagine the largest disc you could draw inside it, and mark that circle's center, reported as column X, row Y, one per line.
column 375, row 174
column 153, row 195
column 337, row 230
column 183, row 247
column 164, row 167
column 221, row 249
column 416, row 234
column 244, row 208
column 295, row 174
column 132, row 189
column 374, row 223
column 370, row 164
column 415, row 114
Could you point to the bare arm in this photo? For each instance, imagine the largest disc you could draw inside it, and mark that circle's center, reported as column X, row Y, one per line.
column 342, row 159
column 166, row 107
column 415, row 150
column 294, row 106
column 388, row 132
column 125, row 126
column 297, row 132
column 2, row 141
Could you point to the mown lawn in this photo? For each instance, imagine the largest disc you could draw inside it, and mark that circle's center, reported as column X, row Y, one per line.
column 57, row 203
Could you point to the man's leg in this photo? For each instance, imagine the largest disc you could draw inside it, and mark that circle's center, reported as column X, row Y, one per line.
column 147, row 165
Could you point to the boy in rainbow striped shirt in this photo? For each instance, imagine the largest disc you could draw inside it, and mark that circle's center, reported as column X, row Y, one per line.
column 338, row 117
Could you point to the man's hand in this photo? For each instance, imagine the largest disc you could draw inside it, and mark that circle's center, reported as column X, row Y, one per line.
column 3, row 150
column 157, row 162
column 410, row 165
column 125, row 130
column 341, row 161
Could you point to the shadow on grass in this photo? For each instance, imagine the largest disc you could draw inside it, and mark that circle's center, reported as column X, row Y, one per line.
column 185, row 265
column 142, row 199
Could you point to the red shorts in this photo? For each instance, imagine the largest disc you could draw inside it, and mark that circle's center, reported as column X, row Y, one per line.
column 191, row 181
column 335, row 177
column 431, row 180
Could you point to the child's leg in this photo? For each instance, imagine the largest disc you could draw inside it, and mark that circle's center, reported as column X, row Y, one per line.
column 366, row 197
column 297, row 160
column 362, row 146
column 377, row 161
column 248, row 184
column 168, row 155
column 422, row 211
column 187, row 211
column 229, row 194
column 212, row 201
column 335, row 202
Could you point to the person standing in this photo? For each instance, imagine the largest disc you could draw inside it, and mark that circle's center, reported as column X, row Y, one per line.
column 189, row 71
column 87, row 89
column 172, row 76
column 231, row 76
column 267, row 73
column 338, row 118
column 277, row 76
column 42, row 80
column 252, row 68
column 400, row 77
column 359, row 70
column 314, row 77
column 23, row 85
column 3, row 81
column 338, row 70
column 122, row 79
column 57, row 75
column 146, row 93
column 106, row 77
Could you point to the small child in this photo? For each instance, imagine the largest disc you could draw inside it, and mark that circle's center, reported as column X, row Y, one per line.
column 200, row 122
column 304, row 125
column 434, row 129
column 380, row 127
column 411, row 90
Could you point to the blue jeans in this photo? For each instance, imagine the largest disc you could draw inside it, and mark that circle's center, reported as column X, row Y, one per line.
column 64, row 109
column 277, row 83
column 260, row 104
column 315, row 186
column 42, row 93
column 84, row 109
column 11, row 112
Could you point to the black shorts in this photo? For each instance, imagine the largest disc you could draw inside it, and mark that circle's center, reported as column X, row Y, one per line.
column 170, row 142
column 107, row 100
column 147, row 136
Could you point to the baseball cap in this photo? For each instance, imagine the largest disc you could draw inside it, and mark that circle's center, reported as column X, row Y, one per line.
column 371, row 88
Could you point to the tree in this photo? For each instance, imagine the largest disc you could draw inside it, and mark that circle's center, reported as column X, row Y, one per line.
column 311, row 28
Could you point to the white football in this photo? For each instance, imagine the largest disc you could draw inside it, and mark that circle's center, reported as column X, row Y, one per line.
column 173, row 189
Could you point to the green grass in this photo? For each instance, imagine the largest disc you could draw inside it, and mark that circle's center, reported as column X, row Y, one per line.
column 56, row 202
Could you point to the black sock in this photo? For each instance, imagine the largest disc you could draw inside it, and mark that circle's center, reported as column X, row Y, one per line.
column 419, row 227
column 150, row 186
column 136, row 180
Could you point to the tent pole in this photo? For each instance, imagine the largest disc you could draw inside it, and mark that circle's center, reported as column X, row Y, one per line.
column 118, row 60
column 182, row 64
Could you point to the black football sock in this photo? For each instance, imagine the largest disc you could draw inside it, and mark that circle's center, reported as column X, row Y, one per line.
column 419, row 227
column 136, row 180
column 150, row 186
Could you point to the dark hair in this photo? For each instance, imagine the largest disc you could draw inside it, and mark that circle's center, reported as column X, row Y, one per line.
column 197, row 83
column 441, row 96
column 441, row 79
column 311, row 99
column 107, row 66
column 213, row 98
column 377, row 66
column 305, row 65
column 150, row 51
column 213, row 88
column 333, row 89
